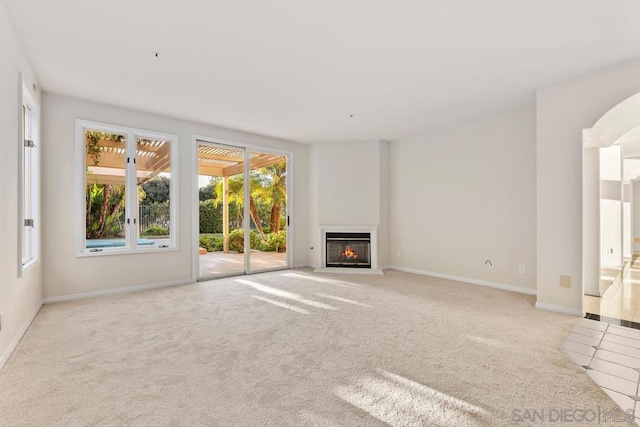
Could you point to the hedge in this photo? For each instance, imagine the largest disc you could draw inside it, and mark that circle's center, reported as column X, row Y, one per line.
column 210, row 217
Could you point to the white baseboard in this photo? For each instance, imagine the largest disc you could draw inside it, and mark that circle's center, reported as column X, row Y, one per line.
column 501, row 286
column 23, row 330
column 115, row 291
column 558, row 309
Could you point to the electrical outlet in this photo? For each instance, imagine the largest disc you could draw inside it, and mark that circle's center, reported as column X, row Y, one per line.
column 172, row 264
column 522, row 269
column 565, row 281
column 398, row 254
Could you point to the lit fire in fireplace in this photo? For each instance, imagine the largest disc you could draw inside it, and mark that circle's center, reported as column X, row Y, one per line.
column 349, row 253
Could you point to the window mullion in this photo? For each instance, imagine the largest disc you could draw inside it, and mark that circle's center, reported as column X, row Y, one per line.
column 131, row 190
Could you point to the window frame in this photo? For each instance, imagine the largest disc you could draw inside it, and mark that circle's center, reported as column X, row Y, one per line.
column 28, row 183
column 131, row 204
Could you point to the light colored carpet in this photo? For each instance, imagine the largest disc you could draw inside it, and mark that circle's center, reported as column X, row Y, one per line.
column 295, row 348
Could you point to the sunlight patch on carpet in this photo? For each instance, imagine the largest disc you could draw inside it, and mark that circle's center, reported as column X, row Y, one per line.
column 346, row 300
column 322, row 280
column 282, row 304
column 399, row 401
column 285, row 294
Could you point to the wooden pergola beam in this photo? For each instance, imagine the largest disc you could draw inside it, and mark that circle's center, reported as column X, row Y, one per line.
column 109, row 160
column 256, row 163
column 207, row 170
column 118, row 161
column 105, row 179
column 111, row 144
column 220, row 157
column 161, row 158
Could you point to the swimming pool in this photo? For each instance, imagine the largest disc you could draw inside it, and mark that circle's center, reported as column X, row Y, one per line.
column 115, row 243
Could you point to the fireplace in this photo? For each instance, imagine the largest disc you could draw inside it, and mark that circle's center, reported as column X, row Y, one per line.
column 351, row 249
column 347, row 249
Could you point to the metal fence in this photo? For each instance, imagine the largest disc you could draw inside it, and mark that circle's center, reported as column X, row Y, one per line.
column 155, row 215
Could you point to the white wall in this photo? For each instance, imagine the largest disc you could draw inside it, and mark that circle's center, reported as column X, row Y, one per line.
column 610, row 233
column 611, row 206
column 66, row 274
column 631, row 171
column 313, row 224
column 384, row 238
column 20, row 298
column 466, row 194
column 627, row 251
column 631, row 148
column 348, row 185
column 635, row 215
column 563, row 111
column 591, row 222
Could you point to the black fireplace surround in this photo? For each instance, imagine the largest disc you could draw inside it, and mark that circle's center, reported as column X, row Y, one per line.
column 348, row 250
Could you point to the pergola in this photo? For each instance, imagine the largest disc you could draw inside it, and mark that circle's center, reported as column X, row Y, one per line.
column 153, row 158
column 227, row 162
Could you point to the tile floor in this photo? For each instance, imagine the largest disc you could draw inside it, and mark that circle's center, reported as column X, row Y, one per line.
column 620, row 293
column 610, row 355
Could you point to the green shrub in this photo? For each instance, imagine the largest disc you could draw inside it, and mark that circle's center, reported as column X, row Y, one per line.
column 277, row 240
column 256, row 240
column 210, row 217
column 211, row 243
column 274, row 242
column 236, row 240
column 155, row 230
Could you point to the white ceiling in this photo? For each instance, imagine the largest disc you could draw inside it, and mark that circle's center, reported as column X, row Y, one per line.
column 297, row 69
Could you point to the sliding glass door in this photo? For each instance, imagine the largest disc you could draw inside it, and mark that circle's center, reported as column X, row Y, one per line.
column 268, row 211
column 220, row 212
column 242, row 224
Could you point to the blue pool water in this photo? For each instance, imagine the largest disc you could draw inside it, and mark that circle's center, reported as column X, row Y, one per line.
column 114, row 243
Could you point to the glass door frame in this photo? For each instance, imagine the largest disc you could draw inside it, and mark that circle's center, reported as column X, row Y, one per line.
column 197, row 140
column 247, row 216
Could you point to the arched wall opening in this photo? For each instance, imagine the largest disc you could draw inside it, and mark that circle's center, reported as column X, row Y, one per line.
column 611, row 167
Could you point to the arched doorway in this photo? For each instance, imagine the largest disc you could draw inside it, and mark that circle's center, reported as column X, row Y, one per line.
column 611, row 168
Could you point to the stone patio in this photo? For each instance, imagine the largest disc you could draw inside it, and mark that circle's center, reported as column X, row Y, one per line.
column 219, row 263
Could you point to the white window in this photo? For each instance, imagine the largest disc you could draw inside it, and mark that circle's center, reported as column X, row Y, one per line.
column 29, row 179
column 127, row 191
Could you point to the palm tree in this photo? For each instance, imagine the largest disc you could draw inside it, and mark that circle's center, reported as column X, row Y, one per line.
column 274, row 191
column 267, row 186
column 236, row 197
column 104, row 209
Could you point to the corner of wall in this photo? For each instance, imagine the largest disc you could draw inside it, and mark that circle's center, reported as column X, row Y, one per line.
column 20, row 297
column 385, row 204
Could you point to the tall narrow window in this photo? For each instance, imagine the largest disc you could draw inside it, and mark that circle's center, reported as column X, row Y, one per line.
column 153, row 160
column 29, row 182
column 105, row 189
column 128, row 189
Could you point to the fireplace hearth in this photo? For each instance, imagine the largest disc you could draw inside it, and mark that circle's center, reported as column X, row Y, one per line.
column 346, row 249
